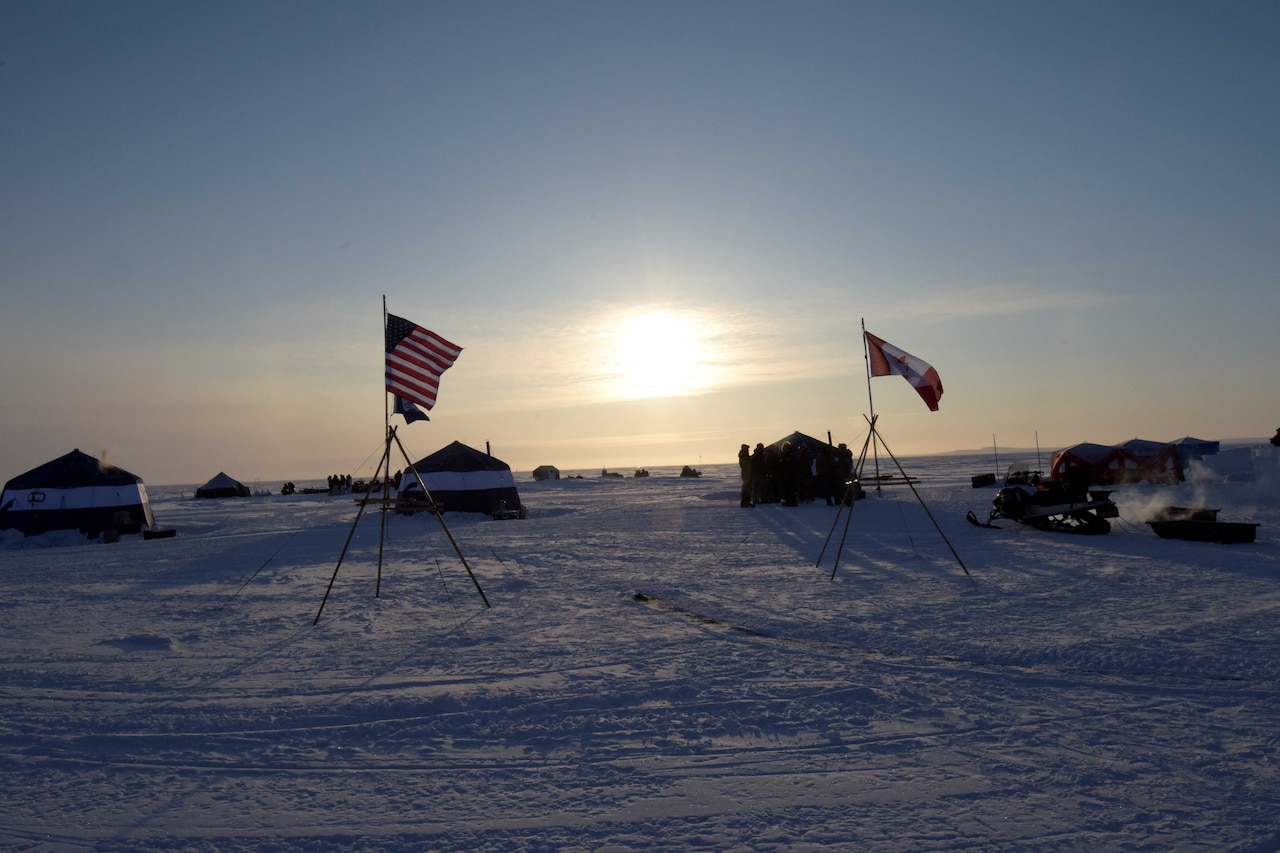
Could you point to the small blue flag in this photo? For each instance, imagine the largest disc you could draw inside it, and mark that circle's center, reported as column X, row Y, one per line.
column 410, row 411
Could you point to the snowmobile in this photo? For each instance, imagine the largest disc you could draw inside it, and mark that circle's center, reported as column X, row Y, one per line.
column 1066, row 505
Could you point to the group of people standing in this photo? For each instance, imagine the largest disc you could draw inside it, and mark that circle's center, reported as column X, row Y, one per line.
column 792, row 474
column 343, row 484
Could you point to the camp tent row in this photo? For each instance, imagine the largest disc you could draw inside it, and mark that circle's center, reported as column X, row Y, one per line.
column 79, row 492
column 1133, row 461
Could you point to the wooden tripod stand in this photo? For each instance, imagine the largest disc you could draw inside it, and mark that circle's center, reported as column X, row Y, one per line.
column 386, row 503
column 849, row 500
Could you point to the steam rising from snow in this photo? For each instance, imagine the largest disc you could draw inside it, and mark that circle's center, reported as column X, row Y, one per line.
column 1206, row 481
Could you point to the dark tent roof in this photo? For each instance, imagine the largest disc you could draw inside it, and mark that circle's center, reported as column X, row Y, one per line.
column 1145, row 445
column 1195, row 448
column 223, row 486
column 459, row 457
column 1156, row 461
column 1102, row 462
column 799, row 439
column 71, row 471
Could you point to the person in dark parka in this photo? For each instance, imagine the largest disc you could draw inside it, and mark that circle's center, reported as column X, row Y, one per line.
column 744, row 465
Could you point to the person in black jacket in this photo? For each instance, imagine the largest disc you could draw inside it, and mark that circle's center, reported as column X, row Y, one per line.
column 758, row 474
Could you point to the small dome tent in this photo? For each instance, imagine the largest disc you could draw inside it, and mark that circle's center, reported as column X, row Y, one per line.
column 223, row 486
column 463, row 479
column 75, row 492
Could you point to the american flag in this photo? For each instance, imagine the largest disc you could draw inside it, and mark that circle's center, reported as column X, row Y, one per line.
column 415, row 359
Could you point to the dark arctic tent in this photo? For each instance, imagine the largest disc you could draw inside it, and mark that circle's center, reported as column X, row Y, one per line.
column 1194, row 449
column 463, row 479
column 821, row 480
column 799, row 440
column 223, row 486
column 75, row 492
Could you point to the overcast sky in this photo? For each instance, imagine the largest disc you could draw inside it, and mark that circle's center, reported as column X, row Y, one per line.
column 654, row 228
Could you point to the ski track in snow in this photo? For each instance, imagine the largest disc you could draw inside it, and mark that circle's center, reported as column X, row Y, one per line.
column 660, row 670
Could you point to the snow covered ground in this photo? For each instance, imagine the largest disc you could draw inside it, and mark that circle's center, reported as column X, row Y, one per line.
column 659, row 670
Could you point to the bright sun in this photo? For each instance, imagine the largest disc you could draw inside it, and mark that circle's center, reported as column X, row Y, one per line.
column 659, row 353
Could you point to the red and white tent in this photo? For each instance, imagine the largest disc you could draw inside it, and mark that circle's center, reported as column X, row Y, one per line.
column 1133, row 461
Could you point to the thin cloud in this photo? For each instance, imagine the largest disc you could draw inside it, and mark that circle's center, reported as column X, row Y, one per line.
column 1002, row 300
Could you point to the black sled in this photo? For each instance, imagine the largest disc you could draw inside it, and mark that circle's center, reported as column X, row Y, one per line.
column 1067, row 507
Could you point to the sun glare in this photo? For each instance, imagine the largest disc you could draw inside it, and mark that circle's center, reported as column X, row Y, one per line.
column 659, row 353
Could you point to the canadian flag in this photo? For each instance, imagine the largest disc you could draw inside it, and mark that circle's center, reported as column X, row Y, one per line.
column 888, row 360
